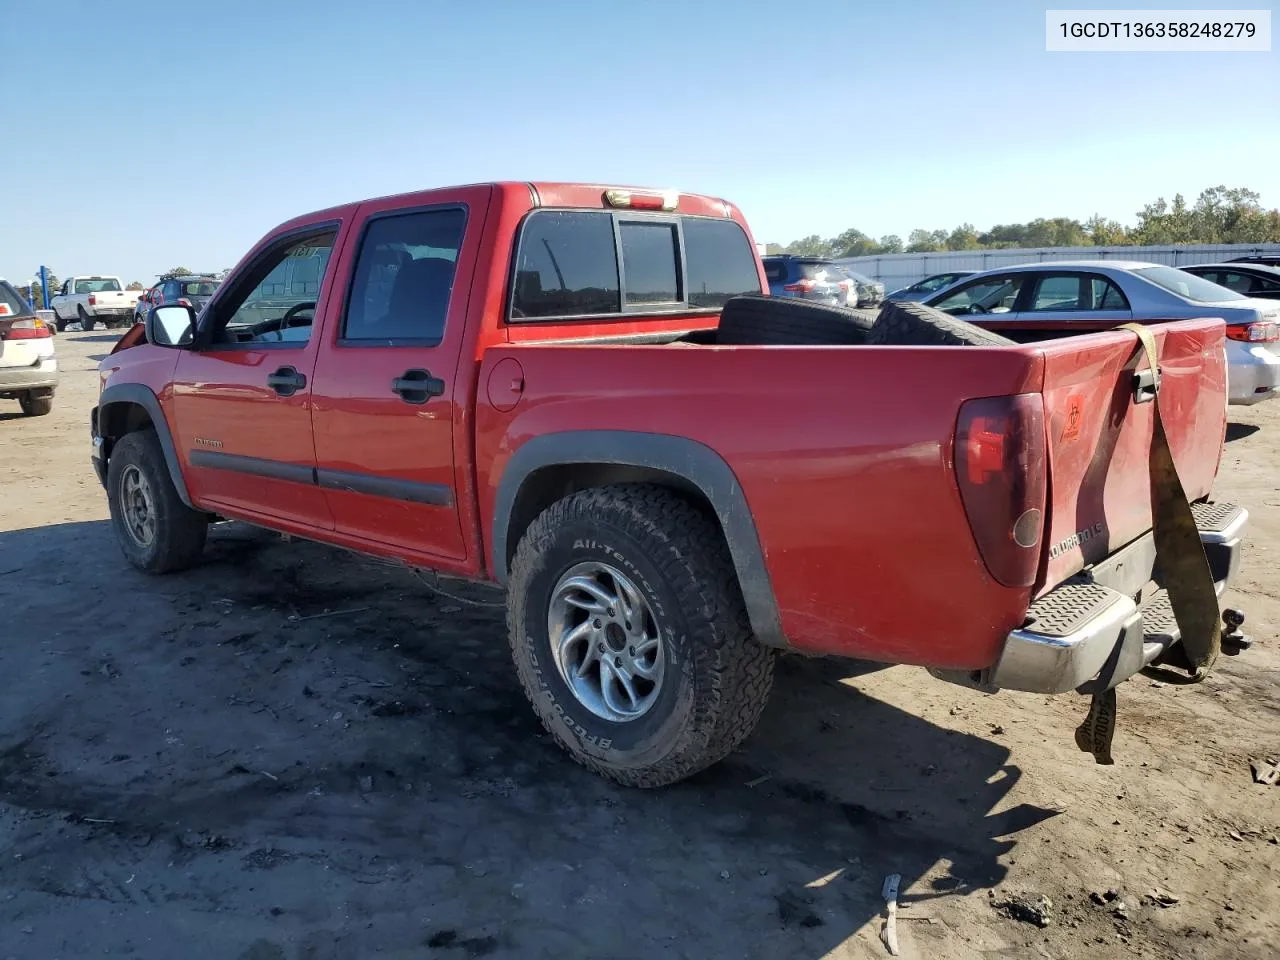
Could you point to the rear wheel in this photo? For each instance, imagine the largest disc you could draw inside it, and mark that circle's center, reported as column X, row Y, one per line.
column 86, row 321
column 60, row 324
column 36, row 404
column 630, row 637
column 156, row 531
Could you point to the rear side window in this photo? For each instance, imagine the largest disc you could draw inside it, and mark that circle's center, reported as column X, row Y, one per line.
column 404, row 276
column 568, row 266
column 11, row 302
column 650, row 262
column 720, row 262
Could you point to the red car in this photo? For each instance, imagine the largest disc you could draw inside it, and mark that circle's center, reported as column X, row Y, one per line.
column 533, row 384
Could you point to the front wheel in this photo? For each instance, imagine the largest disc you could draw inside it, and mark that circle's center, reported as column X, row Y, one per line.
column 156, row 531
column 630, row 637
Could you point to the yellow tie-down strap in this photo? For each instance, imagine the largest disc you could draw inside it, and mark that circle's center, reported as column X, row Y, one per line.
column 1184, row 570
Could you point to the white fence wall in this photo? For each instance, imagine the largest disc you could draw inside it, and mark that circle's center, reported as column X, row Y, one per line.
column 896, row 270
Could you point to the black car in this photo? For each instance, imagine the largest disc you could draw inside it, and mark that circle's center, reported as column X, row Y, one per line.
column 193, row 289
column 1259, row 260
column 1250, row 279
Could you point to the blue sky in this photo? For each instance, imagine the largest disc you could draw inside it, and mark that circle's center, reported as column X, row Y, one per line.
column 179, row 133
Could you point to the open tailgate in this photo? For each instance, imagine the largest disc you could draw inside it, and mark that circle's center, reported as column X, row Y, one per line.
column 1099, row 423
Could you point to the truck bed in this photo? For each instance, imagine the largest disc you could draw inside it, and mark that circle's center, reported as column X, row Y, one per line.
column 847, row 458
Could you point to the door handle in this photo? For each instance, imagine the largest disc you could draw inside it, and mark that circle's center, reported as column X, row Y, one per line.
column 286, row 381
column 417, row 386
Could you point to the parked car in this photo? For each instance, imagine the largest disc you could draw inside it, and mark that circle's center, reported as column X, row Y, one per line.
column 92, row 300
column 28, row 366
column 1261, row 260
column 533, row 385
column 1246, row 279
column 810, row 278
column 193, row 289
column 1048, row 299
column 922, row 289
column 867, row 292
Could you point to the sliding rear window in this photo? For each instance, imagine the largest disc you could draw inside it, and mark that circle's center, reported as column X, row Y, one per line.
column 567, row 265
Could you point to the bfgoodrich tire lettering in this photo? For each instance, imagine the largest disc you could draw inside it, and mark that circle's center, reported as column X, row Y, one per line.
column 716, row 677
column 156, row 531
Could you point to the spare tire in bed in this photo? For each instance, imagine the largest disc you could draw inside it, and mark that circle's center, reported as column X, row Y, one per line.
column 760, row 320
column 913, row 324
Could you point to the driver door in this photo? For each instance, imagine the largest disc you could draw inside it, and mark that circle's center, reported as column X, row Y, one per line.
column 242, row 395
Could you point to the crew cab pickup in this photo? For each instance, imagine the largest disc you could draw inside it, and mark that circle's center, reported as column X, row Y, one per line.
column 533, row 385
column 92, row 300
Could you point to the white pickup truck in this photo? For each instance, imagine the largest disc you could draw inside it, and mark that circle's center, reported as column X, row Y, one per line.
column 92, row 300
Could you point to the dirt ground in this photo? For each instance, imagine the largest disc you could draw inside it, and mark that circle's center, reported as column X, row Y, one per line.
column 203, row 766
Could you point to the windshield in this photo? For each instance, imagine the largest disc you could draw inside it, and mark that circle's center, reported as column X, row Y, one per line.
column 821, row 271
column 97, row 285
column 11, row 302
column 1187, row 285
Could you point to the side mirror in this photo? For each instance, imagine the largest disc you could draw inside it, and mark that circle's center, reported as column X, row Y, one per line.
column 170, row 325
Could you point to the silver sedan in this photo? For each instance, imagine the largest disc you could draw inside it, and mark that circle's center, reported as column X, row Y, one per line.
column 1049, row 299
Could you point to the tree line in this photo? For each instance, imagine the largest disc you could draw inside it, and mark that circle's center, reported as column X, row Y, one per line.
column 1219, row 215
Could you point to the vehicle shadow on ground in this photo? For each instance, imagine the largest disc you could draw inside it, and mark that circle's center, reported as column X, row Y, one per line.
column 316, row 745
column 1238, row 431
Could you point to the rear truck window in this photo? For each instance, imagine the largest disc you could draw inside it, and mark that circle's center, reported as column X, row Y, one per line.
column 719, row 260
column 97, row 285
column 567, row 264
column 650, row 262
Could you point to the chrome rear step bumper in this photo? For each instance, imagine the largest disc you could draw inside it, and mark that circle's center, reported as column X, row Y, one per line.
column 1072, row 632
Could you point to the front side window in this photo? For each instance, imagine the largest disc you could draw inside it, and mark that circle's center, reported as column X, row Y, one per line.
column 403, row 277
column 988, row 295
column 650, row 262
column 268, row 312
column 568, row 266
column 719, row 261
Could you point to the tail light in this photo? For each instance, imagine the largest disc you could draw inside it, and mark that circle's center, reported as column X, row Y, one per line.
column 1264, row 331
column 93, row 300
column 634, row 200
column 33, row 328
column 801, row 286
column 1001, row 468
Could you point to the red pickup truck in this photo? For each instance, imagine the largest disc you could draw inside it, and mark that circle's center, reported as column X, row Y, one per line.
column 532, row 384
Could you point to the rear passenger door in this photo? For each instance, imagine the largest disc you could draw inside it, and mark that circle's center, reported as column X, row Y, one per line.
column 390, row 406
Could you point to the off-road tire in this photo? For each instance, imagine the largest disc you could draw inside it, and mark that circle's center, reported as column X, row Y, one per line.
column 86, row 321
column 718, row 676
column 180, row 531
column 906, row 323
column 35, row 406
column 753, row 320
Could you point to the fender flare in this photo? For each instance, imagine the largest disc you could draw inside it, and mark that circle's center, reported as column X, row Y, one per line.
column 688, row 459
column 138, row 395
